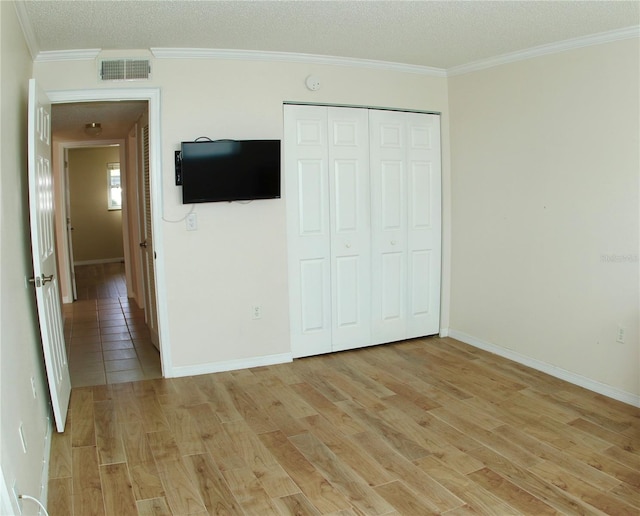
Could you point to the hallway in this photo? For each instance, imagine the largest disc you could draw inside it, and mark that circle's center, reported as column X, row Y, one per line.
column 107, row 339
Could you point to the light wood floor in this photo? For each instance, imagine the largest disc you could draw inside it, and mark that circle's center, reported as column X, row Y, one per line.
column 421, row 427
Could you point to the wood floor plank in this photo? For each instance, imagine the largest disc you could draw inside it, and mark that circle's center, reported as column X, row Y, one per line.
column 81, row 407
column 87, row 488
column 510, row 493
column 143, row 471
column 249, row 493
column 397, row 439
column 216, row 440
column 213, row 487
column 329, row 410
column 316, row 487
column 218, row 397
column 403, row 499
column 278, row 414
column 257, row 419
column 184, row 429
column 349, row 451
column 296, row 504
column 550, row 493
column 341, row 476
column 275, row 480
column 117, row 491
column 180, row 490
column 440, row 498
column 585, row 491
column 60, row 497
column 108, row 433
column 60, row 458
column 153, row 507
column 478, row 499
column 609, row 437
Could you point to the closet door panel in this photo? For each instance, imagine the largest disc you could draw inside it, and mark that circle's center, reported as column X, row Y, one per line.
column 423, row 226
column 389, row 225
column 308, row 229
column 349, row 201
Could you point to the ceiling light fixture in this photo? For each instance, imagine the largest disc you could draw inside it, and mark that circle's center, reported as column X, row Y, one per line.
column 93, row 129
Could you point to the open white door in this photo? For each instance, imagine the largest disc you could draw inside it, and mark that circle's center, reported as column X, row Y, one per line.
column 41, row 213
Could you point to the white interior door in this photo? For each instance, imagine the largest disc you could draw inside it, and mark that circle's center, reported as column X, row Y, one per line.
column 146, row 244
column 350, row 215
column 308, row 228
column 41, row 214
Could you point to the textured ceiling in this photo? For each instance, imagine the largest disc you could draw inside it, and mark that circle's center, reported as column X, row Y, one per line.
column 428, row 33
column 437, row 34
column 116, row 118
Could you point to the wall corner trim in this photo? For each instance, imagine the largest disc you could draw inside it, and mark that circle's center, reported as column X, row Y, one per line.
column 557, row 372
column 228, row 365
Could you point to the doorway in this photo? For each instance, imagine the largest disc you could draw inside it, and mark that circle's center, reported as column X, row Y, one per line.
column 120, row 321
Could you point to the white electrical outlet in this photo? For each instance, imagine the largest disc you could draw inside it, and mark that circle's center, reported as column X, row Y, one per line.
column 620, row 335
column 256, row 312
column 192, row 222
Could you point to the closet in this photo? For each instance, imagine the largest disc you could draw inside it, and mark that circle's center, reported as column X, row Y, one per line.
column 362, row 189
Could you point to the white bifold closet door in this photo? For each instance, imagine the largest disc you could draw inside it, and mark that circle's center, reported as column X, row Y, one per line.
column 329, row 230
column 353, row 245
column 406, row 224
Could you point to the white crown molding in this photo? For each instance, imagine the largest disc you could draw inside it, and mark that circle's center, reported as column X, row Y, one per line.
column 87, row 54
column 551, row 48
column 292, row 57
column 253, row 55
column 27, row 29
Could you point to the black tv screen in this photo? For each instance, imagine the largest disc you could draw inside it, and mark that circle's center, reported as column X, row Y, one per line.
column 230, row 170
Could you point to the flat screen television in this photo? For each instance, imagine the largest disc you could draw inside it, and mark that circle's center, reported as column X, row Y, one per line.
column 230, row 170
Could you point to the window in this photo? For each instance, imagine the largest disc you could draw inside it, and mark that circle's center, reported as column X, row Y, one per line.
column 114, row 190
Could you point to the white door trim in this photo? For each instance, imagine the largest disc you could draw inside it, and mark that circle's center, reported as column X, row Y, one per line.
column 152, row 95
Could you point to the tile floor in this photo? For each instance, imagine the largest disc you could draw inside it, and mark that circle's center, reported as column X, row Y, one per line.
column 108, row 342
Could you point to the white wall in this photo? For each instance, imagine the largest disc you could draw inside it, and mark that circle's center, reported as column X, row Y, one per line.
column 97, row 231
column 545, row 161
column 238, row 255
column 20, row 348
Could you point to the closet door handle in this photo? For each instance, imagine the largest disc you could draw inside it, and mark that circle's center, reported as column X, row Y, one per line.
column 348, row 246
column 393, row 242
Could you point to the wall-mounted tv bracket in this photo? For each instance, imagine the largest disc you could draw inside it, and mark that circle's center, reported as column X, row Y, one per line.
column 178, row 161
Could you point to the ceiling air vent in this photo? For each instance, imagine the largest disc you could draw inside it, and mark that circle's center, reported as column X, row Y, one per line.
column 124, row 69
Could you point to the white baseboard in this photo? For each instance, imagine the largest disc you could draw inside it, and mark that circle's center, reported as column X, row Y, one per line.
column 557, row 372
column 230, row 365
column 99, row 261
